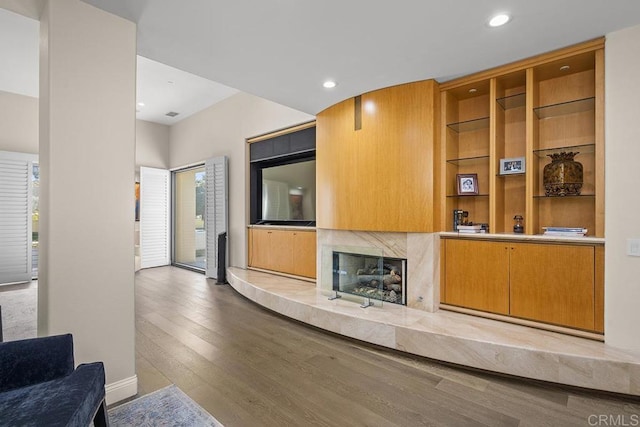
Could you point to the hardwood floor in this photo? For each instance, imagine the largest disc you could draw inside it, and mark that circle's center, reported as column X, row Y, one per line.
column 250, row 367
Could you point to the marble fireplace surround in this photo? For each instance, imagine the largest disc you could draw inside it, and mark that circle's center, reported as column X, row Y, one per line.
column 419, row 249
column 419, row 328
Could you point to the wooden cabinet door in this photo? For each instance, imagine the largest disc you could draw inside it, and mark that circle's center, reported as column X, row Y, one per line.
column 304, row 253
column 477, row 275
column 553, row 284
column 259, row 251
column 281, row 250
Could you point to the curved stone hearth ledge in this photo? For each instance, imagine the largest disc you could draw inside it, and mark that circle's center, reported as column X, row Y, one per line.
column 451, row 337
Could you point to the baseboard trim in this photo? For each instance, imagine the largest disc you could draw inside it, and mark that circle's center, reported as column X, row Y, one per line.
column 122, row 389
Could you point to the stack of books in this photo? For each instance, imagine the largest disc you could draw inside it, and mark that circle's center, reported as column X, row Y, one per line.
column 476, row 228
column 565, row 231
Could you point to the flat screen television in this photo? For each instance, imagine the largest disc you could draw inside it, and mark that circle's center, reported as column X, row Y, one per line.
column 284, row 192
column 289, row 192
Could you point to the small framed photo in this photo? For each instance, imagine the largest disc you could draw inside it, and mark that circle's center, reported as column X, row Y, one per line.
column 467, row 184
column 512, row 166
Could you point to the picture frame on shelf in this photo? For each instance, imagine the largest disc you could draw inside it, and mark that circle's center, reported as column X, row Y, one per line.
column 467, row 184
column 511, row 166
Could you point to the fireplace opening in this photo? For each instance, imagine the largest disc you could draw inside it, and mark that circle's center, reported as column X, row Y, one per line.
column 370, row 276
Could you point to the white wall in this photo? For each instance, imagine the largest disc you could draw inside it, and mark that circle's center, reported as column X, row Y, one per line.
column 87, row 155
column 622, row 198
column 18, row 123
column 28, row 8
column 152, row 145
column 221, row 130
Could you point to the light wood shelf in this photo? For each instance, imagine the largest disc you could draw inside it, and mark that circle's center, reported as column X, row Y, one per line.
column 470, row 125
column 531, row 109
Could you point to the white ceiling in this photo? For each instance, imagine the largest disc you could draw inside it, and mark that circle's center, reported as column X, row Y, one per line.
column 161, row 88
column 164, row 89
column 283, row 50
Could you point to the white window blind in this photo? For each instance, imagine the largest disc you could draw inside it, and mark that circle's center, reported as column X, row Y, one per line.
column 15, row 217
column 217, row 210
column 154, row 217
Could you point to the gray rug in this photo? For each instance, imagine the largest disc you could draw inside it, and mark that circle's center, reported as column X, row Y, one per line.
column 166, row 407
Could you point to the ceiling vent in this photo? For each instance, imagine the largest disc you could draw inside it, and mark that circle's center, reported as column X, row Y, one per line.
column 172, row 114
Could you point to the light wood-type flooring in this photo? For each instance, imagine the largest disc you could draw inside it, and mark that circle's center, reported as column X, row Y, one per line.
column 250, row 367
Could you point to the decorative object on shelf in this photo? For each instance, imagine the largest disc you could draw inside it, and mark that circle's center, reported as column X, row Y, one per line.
column 512, row 166
column 517, row 226
column 565, row 231
column 563, row 176
column 472, row 228
column 459, row 218
column 467, row 184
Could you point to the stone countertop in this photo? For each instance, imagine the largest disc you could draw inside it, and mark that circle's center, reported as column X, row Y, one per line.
column 283, row 227
column 524, row 237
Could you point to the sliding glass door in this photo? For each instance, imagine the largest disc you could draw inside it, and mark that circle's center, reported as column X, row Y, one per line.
column 189, row 235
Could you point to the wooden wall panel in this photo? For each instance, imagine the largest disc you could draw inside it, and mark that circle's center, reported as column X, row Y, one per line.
column 379, row 178
column 335, row 136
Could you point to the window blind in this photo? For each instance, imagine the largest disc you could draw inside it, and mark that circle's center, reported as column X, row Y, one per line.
column 15, row 217
column 217, row 210
column 154, row 217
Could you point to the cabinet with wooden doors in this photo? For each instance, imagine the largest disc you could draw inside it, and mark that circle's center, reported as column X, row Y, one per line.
column 289, row 251
column 549, row 282
column 553, row 284
column 304, row 253
column 502, row 125
column 477, row 275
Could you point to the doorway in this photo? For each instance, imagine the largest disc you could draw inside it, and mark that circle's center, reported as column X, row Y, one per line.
column 189, row 234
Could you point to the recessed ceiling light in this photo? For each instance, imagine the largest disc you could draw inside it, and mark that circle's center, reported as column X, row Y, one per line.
column 499, row 20
column 329, row 84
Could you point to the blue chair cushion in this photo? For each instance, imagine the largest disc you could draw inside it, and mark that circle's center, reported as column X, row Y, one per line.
column 35, row 360
column 68, row 401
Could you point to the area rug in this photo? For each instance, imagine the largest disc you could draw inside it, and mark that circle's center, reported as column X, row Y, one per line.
column 166, row 407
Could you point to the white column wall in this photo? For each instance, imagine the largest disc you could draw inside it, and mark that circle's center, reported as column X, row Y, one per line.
column 87, row 155
column 622, row 200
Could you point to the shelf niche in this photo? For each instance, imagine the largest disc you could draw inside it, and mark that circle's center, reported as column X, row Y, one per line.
column 537, row 107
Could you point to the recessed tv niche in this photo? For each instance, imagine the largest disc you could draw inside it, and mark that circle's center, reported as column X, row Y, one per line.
column 283, row 179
